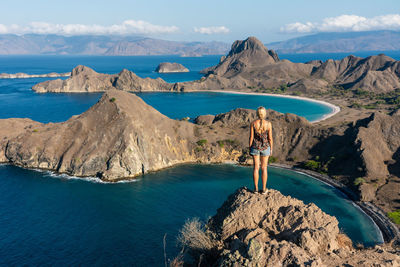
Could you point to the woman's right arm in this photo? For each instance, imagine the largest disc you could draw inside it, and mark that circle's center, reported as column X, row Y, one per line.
column 251, row 134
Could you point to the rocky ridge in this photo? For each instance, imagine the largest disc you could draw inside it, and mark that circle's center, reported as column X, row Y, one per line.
column 85, row 79
column 274, row 230
column 167, row 67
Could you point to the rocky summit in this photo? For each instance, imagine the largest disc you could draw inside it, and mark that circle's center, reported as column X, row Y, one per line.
column 274, row 230
column 167, row 67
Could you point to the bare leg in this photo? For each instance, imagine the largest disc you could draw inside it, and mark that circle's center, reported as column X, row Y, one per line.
column 256, row 165
column 264, row 174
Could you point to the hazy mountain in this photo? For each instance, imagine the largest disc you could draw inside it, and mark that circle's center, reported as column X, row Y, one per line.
column 334, row 42
column 34, row 44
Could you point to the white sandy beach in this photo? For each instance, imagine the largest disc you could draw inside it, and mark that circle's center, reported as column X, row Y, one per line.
column 335, row 109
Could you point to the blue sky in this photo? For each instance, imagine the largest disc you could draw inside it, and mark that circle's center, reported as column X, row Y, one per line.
column 204, row 20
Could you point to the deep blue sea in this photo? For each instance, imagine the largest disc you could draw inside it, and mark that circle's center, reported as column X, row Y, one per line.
column 47, row 219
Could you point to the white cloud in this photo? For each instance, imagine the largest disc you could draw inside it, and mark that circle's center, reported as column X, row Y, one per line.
column 346, row 23
column 126, row 27
column 211, row 30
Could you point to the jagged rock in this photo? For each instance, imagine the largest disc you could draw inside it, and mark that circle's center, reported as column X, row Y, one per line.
column 128, row 81
column 204, row 119
column 84, row 79
column 166, row 67
column 276, row 230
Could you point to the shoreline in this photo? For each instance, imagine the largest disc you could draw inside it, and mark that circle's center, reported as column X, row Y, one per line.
column 388, row 229
column 334, row 109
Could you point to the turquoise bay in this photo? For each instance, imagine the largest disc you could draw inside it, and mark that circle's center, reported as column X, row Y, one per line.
column 50, row 219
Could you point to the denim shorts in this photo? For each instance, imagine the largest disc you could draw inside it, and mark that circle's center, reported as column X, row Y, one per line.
column 255, row 152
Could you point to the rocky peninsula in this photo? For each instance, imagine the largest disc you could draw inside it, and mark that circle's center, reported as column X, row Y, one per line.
column 273, row 230
column 21, row 75
column 167, row 67
column 85, row 79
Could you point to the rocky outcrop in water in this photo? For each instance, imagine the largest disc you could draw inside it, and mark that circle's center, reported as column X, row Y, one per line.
column 167, row 67
column 274, row 230
column 21, row 75
column 85, row 79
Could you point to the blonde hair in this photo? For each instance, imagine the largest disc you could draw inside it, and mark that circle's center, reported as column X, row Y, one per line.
column 261, row 114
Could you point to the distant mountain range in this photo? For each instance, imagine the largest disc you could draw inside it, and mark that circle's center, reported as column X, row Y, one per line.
column 335, row 42
column 37, row 44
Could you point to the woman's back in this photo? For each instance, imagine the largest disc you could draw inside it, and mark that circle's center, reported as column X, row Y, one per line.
column 260, row 127
column 260, row 134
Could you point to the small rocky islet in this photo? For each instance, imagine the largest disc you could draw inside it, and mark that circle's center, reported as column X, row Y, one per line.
column 167, row 67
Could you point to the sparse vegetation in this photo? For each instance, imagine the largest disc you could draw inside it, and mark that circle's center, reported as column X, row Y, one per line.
column 112, row 99
column 221, row 143
column 194, row 236
column 272, row 159
column 394, row 216
column 317, row 165
column 296, row 93
column 35, row 130
column 201, row 142
column 312, row 165
column 359, row 181
column 230, row 142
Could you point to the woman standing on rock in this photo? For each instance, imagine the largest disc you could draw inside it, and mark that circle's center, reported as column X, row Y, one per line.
column 261, row 144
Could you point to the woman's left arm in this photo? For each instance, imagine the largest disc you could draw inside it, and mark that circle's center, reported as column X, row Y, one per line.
column 270, row 140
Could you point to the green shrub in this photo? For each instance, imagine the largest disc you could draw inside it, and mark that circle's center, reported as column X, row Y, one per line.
column 220, row 143
column 272, row 159
column 296, row 93
column 35, row 130
column 394, row 216
column 201, row 142
column 355, row 105
column 359, row 181
column 230, row 142
column 112, row 99
column 312, row 165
